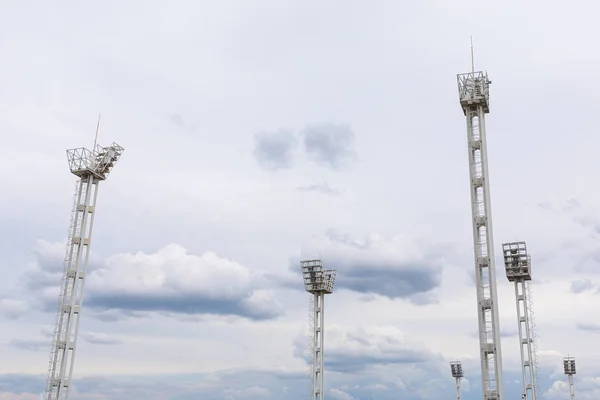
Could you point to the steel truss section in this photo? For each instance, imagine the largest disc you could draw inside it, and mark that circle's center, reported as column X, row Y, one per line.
column 91, row 167
column 318, row 282
column 474, row 99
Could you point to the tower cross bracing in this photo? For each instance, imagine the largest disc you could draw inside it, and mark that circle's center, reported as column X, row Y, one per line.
column 473, row 88
column 91, row 167
column 318, row 282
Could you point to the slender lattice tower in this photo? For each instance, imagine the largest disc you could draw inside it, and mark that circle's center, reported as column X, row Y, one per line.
column 457, row 373
column 518, row 270
column 319, row 282
column 473, row 88
column 91, row 167
column 569, row 365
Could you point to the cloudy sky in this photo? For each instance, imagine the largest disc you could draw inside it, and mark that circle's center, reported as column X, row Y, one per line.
column 259, row 133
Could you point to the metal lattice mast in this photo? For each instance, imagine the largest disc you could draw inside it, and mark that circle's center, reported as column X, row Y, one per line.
column 569, row 365
column 518, row 270
column 91, row 167
column 319, row 282
column 457, row 373
column 311, row 343
column 474, row 99
column 534, row 341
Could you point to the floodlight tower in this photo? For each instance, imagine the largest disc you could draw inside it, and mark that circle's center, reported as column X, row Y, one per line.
column 457, row 373
column 518, row 270
column 319, row 282
column 473, row 88
column 91, row 167
column 569, row 365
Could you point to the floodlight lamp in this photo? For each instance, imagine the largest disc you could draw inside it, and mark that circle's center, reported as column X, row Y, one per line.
column 569, row 365
column 97, row 162
column 456, row 369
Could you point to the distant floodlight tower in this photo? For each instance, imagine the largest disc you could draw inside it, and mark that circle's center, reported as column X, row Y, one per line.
column 569, row 365
column 518, row 270
column 91, row 167
column 473, row 90
column 457, row 373
column 319, row 282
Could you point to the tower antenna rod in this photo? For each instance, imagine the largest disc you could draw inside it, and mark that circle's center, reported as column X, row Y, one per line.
column 472, row 58
column 96, row 136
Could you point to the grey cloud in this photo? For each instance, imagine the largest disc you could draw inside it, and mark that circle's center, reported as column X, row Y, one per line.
column 180, row 303
column 347, row 362
column 177, row 119
column 586, row 326
column 377, row 266
column 576, row 211
column 361, row 349
column 21, row 383
column 580, row 286
column 505, row 333
column 30, row 344
column 423, row 380
column 508, row 332
column 545, row 205
column 322, row 188
column 13, row 308
column 330, row 145
column 386, row 278
column 100, row 338
column 218, row 385
column 275, row 150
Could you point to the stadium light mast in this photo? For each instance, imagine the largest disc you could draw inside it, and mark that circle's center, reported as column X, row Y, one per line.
column 318, row 282
column 569, row 366
column 473, row 89
column 518, row 270
column 457, row 373
column 91, row 167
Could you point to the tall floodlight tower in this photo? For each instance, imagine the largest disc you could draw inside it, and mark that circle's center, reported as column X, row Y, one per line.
column 457, row 373
column 518, row 270
column 473, row 89
column 319, row 282
column 91, row 167
column 569, row 365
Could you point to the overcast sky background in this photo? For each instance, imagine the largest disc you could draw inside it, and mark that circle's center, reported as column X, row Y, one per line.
column 258, row 133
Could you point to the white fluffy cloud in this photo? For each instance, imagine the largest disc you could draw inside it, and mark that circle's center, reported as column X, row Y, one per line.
column 170, row 280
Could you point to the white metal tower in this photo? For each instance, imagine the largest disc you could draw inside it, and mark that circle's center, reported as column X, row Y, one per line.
column 473, row 89
column 518, row 270
column 91, row 167
column 319, row 282
column 457, row 373
column 569, row 365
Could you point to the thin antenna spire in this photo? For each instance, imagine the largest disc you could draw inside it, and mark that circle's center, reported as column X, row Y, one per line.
column 96, row 137
column 472, row 58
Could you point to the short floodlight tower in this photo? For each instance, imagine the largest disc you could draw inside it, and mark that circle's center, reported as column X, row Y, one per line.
column 318, row 282
column 517, row 263
column 457, row 373
column 569, row 365
column 91, row 167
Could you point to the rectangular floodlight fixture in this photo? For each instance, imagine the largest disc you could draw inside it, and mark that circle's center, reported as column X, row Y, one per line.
column 98, row 162
column 456, row 368
column 316, row 278
column 516, row 261
column 569, row 365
